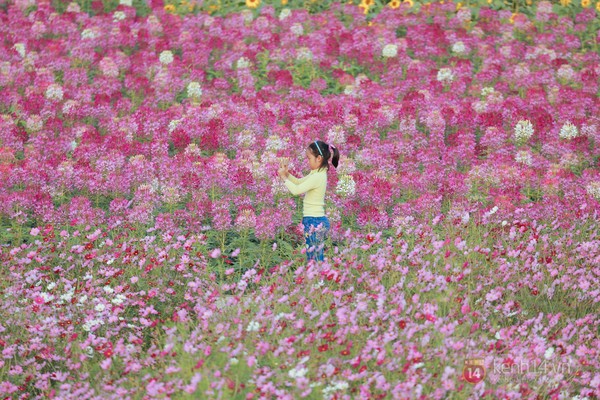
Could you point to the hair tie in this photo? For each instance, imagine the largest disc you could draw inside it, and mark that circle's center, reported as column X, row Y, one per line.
column 332, row 146
column 318, row 148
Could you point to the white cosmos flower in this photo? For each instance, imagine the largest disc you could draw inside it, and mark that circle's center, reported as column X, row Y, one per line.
column 298, row 372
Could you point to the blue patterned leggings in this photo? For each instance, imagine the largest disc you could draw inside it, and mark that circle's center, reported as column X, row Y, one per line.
column 315, row 232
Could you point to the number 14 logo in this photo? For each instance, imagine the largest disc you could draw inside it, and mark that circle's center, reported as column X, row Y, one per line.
column 474, row 370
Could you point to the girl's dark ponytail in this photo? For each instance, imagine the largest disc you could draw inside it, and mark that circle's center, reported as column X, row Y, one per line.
column 336, row 156
column 326, row 151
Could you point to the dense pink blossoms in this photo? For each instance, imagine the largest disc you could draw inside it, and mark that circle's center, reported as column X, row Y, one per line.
column 150, row 250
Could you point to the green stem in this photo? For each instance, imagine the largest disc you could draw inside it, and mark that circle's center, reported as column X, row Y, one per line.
column 243, row 249
column 222, row 263
column 264, row 253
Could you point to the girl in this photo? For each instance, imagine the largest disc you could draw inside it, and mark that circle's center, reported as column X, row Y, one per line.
column 316, row 225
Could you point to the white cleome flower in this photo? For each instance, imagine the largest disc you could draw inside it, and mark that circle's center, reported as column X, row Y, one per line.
column 194, row 90
column 523, row 131
column 486, row 91
column 565, row 72
column 521, row 71
column 297, row 29
column 118, row 16
column 73, row 7
column 304, row 54
column 286, row 12
column 274, row 143
column 54, row 92
column 246, row 138
column 247, row 15
column 346, row 186
column 336, row 134
column 479, row 106
column 524, row 157
column 390, row 50
column 34, row 123
column 108, row 67
column 20, row 48
column 445, row 75
column 242, row 62
column 88, row 33
column 568, row 131
column 166, row 57
column 173, row 125
column 459, row 48
column 593, row 189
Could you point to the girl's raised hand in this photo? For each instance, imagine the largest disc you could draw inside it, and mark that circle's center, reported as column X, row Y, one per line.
column 283, row 172
column 283, row 168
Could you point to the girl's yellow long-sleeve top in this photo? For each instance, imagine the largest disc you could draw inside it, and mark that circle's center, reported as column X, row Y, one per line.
column 314, row 185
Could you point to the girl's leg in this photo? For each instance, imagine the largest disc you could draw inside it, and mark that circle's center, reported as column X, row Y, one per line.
column 315, row 232
column 321, row 234
column 310, row 237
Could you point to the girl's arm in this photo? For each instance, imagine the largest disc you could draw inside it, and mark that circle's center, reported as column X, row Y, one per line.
column 295, row 180
column 304, row 185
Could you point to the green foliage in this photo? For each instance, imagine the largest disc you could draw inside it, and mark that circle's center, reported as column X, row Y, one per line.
column 532, row 194
column 304, row 72
column 260, row 71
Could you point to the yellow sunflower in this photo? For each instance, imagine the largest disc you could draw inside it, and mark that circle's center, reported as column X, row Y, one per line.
column 394, row 4
column 366, row 4
column 169, row 8
column 410, row 2
column 252, row 3
column 598, row 6
column 586, row 3
column 284, row 2
column 565, row 3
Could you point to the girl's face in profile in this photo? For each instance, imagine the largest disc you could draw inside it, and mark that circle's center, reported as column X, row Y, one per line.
column 313, row 162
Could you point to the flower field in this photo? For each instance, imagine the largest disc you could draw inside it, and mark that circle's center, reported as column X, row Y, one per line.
column 148, row 249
